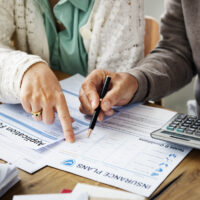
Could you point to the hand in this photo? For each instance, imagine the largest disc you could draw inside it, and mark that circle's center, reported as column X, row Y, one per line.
column 40, row 90
column 121, row 90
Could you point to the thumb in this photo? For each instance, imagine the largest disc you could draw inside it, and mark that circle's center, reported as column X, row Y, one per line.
column 112, row 98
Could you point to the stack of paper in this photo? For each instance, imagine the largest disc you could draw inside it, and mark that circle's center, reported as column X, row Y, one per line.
column 120, row 151
column 8, row 177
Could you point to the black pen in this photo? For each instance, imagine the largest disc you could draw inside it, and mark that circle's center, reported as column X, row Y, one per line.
column 97, row 110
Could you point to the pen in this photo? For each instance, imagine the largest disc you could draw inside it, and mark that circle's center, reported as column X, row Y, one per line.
column 97, row 110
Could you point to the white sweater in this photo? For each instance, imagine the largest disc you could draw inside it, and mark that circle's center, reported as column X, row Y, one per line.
column 113, row 38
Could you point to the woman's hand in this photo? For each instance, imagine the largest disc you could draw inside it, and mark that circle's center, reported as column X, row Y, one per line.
column 41, row 91
column 121, row 90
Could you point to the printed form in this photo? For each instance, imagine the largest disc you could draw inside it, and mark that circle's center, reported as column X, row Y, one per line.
column 27, row 143
column 120, row 151
column 19, row 126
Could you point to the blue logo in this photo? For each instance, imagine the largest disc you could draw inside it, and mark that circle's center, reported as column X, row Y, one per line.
column 70, row 162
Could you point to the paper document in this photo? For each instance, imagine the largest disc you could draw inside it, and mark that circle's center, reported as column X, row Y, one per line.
column 8, row 177
column 27, row 155
column 80, row 196
column 19, row 126
column 120, row 151
column 102, row 192
column 24, row 158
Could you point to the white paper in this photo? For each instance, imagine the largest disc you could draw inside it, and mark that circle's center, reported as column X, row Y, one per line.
column 8, row 177
column 120, row 151
column 102, row 192
column 73, row 83
column 80, row 196
column 19, row 126
column 24, row 158
column 28, row 159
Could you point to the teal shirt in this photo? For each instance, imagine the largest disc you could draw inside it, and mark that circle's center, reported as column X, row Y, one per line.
column 67, row 52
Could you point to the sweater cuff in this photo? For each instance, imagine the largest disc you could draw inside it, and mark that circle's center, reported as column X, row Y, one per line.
column 25, row 65
column 142, row 90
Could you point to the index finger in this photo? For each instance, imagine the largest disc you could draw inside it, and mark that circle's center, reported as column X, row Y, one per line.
column 92, row 85
column 65, row 118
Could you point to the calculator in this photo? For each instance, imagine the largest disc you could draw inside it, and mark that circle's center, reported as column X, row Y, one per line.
column 181, row 129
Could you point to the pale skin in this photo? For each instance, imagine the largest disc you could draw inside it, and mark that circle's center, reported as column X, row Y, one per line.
column 122, row 88
column 41, row 91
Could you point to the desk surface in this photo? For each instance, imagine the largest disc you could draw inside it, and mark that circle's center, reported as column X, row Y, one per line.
column 50, row 180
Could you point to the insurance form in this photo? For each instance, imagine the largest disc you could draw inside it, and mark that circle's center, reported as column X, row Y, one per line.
column 120, row 151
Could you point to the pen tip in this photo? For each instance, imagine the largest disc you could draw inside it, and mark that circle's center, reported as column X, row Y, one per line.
column 89, row 132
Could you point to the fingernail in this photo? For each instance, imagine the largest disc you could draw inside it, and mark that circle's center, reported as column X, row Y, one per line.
column 99, row 119
column 70, row 139
column 106, row 105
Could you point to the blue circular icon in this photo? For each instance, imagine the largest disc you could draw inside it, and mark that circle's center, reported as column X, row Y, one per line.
column 69, row 162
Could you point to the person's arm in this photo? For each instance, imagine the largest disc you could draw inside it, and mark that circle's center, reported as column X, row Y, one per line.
column 169, row 66
column 28, row 79
column 13, row 63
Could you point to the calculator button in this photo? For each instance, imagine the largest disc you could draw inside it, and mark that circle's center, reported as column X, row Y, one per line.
column 182, row 127
column 173, row 125
column 189, row 132
column 197, row 133
column 191, row 118
column 170, row 128
column 186, row 125
column 178, row 120
column 191, row 129
column 181, row 116
column 188, row 122
column 174, row 122
column 180, row 130
column 197, row 124
column 193, row 126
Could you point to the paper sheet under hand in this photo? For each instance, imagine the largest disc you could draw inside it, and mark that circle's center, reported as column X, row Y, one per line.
column 120, row 151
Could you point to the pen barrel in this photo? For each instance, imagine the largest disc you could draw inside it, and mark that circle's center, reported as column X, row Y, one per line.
column 105, row 87
column 97, row 110
column 94, row 117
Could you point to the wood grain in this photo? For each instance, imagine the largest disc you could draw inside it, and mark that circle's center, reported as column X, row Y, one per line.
column 188, row 187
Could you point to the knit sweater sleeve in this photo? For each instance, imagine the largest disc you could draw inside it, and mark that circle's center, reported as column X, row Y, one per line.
column 13, row 63
column 170, row 66
column 114, row 35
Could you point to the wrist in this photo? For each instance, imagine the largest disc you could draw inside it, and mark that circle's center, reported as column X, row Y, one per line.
column 142, row 91
column 33, row 70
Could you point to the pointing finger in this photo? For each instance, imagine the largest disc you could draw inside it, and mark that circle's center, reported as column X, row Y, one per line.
column 65, row 119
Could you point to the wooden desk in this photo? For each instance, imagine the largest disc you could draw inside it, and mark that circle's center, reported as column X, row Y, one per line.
column 50, row 180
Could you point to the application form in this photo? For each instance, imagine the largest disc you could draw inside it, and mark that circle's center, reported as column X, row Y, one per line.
column 120, row 151
column 19, row 126
column 27, row 155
